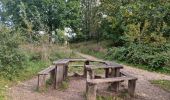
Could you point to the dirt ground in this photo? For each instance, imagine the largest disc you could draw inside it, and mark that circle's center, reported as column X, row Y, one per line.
column 76, row 91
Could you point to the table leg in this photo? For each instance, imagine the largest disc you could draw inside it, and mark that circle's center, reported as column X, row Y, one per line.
column 115, row 73
column 107, row 72
column 85, row 72
column 92, row 75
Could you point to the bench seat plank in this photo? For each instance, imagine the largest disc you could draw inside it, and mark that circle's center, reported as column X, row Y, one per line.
column 107, row 80
column 113, row 64
column 126, row 74
column 47, row 70
column 102, row 66
column 60, row 62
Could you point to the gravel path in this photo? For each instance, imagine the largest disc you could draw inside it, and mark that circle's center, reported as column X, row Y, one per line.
column 76, row 91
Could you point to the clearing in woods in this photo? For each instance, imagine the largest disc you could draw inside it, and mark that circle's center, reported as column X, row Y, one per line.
column 76, row 90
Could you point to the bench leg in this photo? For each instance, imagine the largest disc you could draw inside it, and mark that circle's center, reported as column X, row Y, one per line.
column 107, row 73
column 131, row 87
column 91, row 91
column 56, row 81
column 66, row 72
column 115, row 86
column 92, row 75
column 41, row 82
column 117, row 72
column 52, row 77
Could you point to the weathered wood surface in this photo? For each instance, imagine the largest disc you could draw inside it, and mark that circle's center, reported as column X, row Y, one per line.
column 109, row 80
column 47, row 70
column 85, row 70
column 60, row 71
column 41, row 82
column 113, row 64
column 60, row 62
column 123, row 73
column 91, row 85
column 91, row 67
column 42, row 77
column 131, row 87
column 91, row 91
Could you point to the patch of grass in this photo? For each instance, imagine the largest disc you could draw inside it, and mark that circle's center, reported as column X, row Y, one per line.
column 31, row 69
column 73, row 67
column 64, row 85
column 108, row 98
column 164, row 84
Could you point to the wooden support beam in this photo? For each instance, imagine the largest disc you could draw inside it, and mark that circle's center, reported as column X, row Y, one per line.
column 107, row 72
column 85, row 71
column 131, row 87
column 115, row 86
column 41, row 82
column 91, row 91
column 65, row 71
column 52, row 77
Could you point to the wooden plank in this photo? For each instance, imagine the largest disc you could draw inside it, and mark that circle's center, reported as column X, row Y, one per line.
column 85, row 70
column 60, row 73
column 100, row 61
column 64, row 61
column 107, row 80
column 91, row 67
column 61, row 61
column 91, row 91
column 131, row 87
column 55, row 62
column 128, row 75
column 47, row 70
column 41, row 82
column 113, row 64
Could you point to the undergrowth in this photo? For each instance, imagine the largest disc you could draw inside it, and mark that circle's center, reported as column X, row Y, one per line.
column 164, row 84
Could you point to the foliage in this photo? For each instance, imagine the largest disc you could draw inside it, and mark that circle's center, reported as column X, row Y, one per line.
column 64, row 85
column 44, row 15
column 60, row 37
column 164, row 84
column 11, row 57
column 152, row 56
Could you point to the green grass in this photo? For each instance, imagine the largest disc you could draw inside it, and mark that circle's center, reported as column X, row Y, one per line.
column 64, row 85
column 33, row 66
column 164, row 84
column 31, row 69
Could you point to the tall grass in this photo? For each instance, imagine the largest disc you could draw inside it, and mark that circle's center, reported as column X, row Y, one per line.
column 38, row 58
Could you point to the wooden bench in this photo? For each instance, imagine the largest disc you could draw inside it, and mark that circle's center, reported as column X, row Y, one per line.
column 42, row 77
column 91, row 85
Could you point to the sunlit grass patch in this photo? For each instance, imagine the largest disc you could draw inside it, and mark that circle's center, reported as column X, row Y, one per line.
column 164, row 84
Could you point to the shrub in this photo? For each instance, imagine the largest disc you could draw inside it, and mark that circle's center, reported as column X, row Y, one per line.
column 11, row 57
column 145, row 54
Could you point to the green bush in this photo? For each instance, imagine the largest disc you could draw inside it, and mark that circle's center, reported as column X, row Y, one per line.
column 35, row 56
column 145, row 54
column 11, row 57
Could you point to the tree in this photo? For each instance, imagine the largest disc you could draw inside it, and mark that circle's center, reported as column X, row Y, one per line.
column 90, row 17
column 46, row 15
